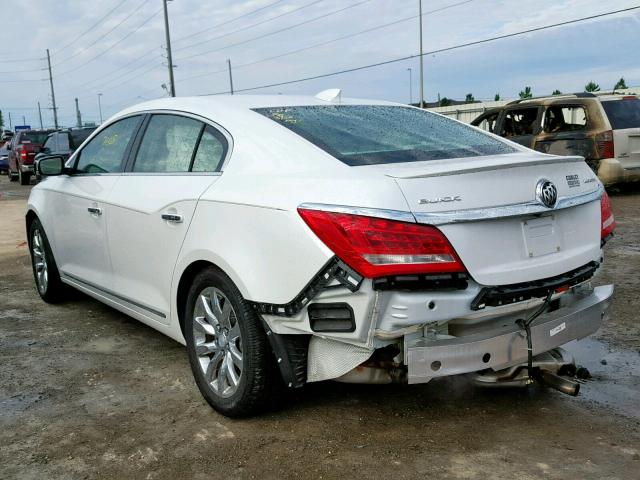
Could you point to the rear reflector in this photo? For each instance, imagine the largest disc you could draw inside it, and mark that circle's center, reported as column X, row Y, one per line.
column 377, row 247
column 608, row 222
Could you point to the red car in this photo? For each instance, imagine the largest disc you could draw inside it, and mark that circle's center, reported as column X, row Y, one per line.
column 23, row 148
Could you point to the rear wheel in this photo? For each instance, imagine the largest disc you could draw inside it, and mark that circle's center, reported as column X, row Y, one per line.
column 228, row 350
column 45, row 270
column 13, row 176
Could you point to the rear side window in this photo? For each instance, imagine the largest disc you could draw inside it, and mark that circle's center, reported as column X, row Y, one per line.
column 63, row 141
column 105, row 152
column 211, row 151
column 565, row 119
column 168, row 144
column 52, row 142
column 488, row 123
column 378, row 134
column 623, row 113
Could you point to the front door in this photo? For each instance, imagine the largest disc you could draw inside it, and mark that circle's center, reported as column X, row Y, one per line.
column 153, row 202
column 80, row 205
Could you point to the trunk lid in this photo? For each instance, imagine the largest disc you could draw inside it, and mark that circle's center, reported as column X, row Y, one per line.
column 509, row 249
column 626, row 146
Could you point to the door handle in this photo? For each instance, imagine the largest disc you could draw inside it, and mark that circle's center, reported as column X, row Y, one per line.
column 94, row 210
column 172, row 217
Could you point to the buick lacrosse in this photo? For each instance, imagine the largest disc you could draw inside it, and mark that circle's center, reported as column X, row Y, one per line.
column 287, row 240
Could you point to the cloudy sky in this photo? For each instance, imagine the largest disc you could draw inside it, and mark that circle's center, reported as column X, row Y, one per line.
column 116, row 48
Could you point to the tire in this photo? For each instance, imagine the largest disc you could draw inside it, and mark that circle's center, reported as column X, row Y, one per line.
column 25, row 178
column 12, row 176
column 212, row 344
column 45, row 270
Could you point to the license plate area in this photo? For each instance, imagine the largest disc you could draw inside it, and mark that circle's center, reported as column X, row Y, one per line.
column 540, row 236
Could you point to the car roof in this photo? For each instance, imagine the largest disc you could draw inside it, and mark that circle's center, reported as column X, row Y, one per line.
column 219, row 107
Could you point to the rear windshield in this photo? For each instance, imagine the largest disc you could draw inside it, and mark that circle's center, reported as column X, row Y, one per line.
column 36, row 138
column 623, row 113
column 79, row 136
column 377, row 134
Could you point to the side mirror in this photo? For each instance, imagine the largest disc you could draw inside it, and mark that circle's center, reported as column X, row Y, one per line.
column 51, row 166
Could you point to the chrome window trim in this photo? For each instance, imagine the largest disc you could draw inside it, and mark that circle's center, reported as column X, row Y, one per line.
column 460, row 216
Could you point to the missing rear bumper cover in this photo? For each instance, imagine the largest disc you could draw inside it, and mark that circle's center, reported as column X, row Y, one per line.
column 334, row 270
column 519, row 292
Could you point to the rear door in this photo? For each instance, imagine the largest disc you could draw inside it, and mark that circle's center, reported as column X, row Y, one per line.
column 521, row 124
column 624, row 117
column 178, row 157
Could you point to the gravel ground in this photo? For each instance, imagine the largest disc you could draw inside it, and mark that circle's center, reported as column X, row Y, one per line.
column 86, row 392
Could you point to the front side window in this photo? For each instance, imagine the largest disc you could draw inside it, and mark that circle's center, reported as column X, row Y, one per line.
column 105, row 152
column 51, row 144
column 520, row 122
column 377, row 134
column 560, row 119
column 168, row 144
column 211, row 151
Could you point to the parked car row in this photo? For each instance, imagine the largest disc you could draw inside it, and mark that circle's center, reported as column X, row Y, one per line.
column 24, row 149
column 604, row 129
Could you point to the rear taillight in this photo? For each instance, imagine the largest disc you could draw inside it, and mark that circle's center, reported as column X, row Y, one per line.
column 23, row 152
column 377, row 247
column 604, row 144
column 607, row 221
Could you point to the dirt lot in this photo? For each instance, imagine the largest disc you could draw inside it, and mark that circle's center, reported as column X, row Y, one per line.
column 86, row 392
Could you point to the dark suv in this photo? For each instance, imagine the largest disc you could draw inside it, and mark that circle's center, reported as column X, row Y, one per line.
column 604, row 129
column 63, row 143
column 22, row 151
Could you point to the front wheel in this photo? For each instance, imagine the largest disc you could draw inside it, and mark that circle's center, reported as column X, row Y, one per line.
column 228, row 350
column 45, row 270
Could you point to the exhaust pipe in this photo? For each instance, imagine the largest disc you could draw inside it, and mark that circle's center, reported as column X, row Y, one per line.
column 555, row 381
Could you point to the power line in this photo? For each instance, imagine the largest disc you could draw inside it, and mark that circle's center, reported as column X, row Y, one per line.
column 100, row 20
column 103, row 35
column 249, row 26
column 228, row 21
column 276, row 31
column 441, row 50
column 327, row 42
column 147, row 20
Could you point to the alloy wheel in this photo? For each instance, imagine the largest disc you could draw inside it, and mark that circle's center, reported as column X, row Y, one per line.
column 40, row 261
column 218, row 341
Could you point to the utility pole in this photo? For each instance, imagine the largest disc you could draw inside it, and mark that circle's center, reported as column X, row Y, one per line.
column 78, row 117
column 421, row 61
column 40, row 116
column 24, row 120
column 230, row 76
column 169, row 58
column 53, row 95
column 10, row 124
column 410, row 86
column 100, row 107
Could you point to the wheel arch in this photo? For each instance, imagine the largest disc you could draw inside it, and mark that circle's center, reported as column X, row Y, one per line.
column 30, row 216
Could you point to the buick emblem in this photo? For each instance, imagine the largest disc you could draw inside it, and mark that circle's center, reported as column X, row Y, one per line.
column 546, row 193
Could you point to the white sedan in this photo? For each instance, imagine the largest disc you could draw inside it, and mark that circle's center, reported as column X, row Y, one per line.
column 288, row 240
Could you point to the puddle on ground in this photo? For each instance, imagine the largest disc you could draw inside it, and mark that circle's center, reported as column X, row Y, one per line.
column 615, row 381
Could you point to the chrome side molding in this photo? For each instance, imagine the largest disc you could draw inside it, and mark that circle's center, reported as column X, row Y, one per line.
column 398, row 215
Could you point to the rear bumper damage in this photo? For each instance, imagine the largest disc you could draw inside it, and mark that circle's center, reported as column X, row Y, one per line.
column 504, row 346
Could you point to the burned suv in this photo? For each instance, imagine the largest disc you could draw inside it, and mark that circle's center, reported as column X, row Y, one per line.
column 604, row 129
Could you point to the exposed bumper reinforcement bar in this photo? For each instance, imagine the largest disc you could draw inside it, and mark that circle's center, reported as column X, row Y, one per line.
column 498, row 349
